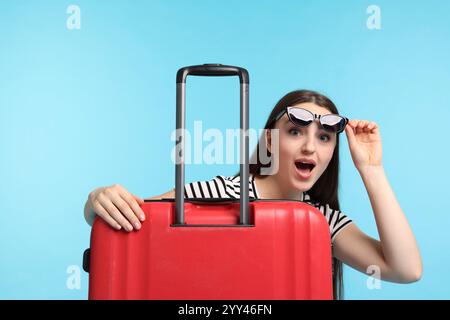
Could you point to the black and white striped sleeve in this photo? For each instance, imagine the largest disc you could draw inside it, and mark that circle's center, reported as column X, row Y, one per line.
column 219, row 187
column 336, row 219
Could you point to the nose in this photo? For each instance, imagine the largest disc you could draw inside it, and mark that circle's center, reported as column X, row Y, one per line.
column 309, row 144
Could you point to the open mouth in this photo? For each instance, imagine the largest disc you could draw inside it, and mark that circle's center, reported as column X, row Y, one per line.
column 304, row 167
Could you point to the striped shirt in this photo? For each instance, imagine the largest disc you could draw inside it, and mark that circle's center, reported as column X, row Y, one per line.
column 228, row 187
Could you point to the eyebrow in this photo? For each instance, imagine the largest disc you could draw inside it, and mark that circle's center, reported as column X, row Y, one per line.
column 320, row 129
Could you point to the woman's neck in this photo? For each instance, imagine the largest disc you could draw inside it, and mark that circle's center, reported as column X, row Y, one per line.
column 269, row 187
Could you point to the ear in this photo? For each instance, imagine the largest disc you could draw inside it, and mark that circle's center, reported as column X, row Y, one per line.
column 268, row 138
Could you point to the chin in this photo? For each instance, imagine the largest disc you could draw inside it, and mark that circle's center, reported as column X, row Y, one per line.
column 303, row 186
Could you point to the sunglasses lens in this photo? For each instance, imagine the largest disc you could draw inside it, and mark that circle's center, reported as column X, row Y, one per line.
column 300, row 117
column 333, row 123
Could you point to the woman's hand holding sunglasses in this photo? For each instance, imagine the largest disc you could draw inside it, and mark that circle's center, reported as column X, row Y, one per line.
column 364, row 141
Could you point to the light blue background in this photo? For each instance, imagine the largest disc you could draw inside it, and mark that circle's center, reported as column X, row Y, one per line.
column 86, row 108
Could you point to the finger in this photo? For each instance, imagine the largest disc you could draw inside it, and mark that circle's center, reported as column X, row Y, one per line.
column 373, row 126
column 114, row 194
column 102, row 213
column 358, row 127
column 365, row 126
column 349, row 131
column 353, row 123
column 139, row 200
column 115, row 213
column 125, row 209
column 362, row 124
column 133, row 203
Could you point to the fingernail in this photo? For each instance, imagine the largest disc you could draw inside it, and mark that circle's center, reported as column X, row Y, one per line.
column 142, row 217
column 129, row 227
column 118, row 227
column 137, row 225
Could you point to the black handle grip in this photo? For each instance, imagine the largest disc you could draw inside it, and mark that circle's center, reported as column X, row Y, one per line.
column 87, row 260
column 212, row 69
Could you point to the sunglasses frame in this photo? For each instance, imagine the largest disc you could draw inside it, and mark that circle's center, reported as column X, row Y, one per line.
column 315, row 116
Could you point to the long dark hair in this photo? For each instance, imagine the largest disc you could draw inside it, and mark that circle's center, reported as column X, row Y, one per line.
column 325, row 190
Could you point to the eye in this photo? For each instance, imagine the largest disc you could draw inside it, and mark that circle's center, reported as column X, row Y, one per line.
column 293, row 131
column 328, row 138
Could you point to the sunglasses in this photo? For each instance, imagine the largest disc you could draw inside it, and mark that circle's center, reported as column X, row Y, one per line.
column 303, row 118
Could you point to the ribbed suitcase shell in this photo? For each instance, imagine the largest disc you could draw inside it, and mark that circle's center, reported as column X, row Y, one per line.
column 285, row 255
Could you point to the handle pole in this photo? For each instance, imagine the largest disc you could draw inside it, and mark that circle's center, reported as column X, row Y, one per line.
column 179, row 153
column 211, row 70
column 244, row 156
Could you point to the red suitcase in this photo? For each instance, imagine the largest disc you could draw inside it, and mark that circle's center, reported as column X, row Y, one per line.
column 220, row 249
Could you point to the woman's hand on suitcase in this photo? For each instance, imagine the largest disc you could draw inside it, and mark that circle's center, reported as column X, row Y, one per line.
column 118, row 207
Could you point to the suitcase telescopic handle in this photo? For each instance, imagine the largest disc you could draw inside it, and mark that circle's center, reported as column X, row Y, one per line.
column 211, row 70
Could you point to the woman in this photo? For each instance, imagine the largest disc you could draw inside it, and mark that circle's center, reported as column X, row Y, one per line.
column 307, row 157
